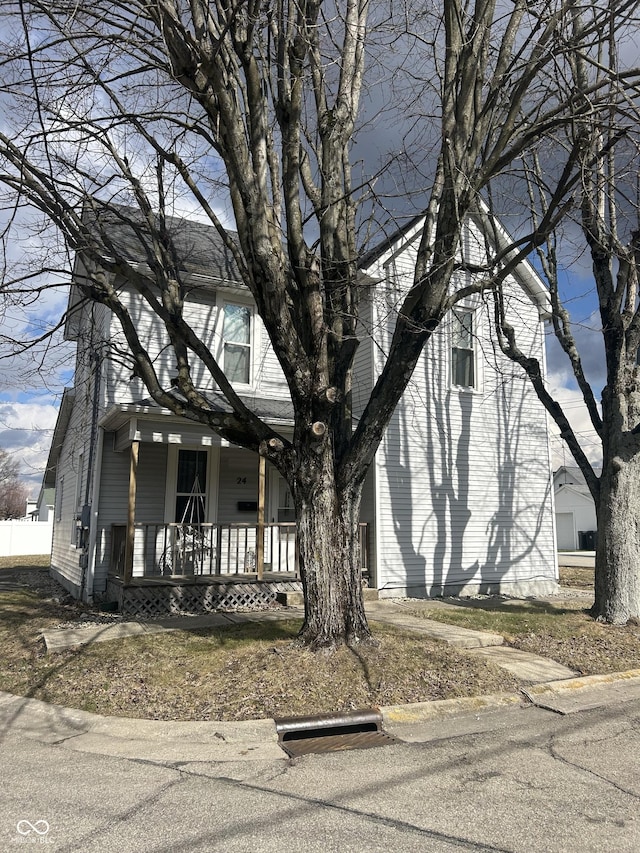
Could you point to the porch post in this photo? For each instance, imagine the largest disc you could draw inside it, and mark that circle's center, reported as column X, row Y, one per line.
column 262, row 469
column 131, row 512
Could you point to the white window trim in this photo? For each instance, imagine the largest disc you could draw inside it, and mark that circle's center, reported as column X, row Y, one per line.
column 476, row 388
column 59, row 497
column 211, row 487
column 254, row 338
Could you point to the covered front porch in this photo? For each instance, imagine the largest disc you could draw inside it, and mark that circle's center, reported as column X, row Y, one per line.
column 207, row 524
column 154, row 551
column 199, row 568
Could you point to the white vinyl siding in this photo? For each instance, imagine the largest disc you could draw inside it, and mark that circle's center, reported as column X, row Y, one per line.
column 362, row 382
column 463, row 482
column 204, row 310
column 238, row 484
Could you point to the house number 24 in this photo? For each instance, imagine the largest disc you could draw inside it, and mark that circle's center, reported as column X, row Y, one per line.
column 241, row 481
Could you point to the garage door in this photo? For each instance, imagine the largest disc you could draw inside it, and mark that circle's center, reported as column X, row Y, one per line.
column 565, row 531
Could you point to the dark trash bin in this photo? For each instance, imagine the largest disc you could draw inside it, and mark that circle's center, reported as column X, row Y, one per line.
column 587, row 540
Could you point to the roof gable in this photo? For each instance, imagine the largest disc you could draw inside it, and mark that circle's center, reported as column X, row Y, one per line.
column 405, row 237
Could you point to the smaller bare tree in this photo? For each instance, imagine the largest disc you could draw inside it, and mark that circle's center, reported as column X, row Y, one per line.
column 13, row 493
column 604, row 217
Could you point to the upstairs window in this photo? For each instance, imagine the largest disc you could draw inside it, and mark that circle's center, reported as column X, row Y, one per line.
column 236, row 334
column 462, row 352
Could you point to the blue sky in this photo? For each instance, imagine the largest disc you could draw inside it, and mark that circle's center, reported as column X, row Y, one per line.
column 31, row 385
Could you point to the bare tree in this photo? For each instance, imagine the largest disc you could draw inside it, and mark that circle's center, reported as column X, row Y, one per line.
column 258, row 103
column 605, row 213
column 13, row 493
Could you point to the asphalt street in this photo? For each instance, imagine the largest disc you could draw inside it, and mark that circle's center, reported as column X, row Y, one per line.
column 517, row 778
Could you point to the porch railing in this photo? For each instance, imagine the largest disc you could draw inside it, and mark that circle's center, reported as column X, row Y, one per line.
column 188, row 550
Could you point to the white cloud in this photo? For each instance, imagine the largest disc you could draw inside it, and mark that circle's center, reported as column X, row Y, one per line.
column 575, row 409
column 25, row 432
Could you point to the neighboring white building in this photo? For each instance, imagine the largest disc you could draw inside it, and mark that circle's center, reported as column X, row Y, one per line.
column 157, row 512
column 30, row 508
column 576, row 524
column 45, row 504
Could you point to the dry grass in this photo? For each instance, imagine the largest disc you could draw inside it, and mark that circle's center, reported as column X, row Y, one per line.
column 576, row 578
column 255, row 669
column 560, row 629
column 239, row 672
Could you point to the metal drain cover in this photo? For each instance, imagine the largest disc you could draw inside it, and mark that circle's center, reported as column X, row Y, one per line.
column 332, row 732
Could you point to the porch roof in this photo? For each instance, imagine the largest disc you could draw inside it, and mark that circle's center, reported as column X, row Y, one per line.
column 277, row 413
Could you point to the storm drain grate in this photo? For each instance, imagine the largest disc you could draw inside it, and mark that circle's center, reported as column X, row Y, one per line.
column 332, row 732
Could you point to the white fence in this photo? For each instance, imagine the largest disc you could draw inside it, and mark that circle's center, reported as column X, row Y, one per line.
column 18, row 538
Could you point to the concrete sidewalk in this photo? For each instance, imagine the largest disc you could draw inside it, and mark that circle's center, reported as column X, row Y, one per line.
column 524, row 665
column 577, row 559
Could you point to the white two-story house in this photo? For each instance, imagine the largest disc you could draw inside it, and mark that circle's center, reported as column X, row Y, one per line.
column 158, row 514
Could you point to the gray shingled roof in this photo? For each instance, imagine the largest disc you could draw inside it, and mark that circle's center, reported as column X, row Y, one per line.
column 266, row 408
column 199, row 247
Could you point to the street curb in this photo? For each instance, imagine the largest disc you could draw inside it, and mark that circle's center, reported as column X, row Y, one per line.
column 182, row 741
column 212, row 740
column 419, row 712
column 425, row 711
column 580, row 682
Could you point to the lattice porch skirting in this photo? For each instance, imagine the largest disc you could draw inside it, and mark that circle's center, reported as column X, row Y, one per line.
column 174, row 599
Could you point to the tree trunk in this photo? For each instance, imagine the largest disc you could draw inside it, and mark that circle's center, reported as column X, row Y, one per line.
column 617, row 588
column 328, row 549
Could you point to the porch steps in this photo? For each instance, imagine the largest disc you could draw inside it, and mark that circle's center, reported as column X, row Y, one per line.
column 294, row 598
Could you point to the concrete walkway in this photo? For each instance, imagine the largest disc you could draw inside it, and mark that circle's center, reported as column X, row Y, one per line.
column 523, row 665
column 577, row 559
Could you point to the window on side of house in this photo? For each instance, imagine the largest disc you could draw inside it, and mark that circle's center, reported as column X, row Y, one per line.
column 76, row 529
column 191, row 487
column 59, row 496
column 462, row 351
column 236, row 334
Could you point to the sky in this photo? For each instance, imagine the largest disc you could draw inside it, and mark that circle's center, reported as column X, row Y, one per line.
column 31, row 383
column 29, row 400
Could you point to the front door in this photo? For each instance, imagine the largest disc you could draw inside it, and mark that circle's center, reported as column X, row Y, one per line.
column 280, row 544
column 189, row 545
column 191, row 487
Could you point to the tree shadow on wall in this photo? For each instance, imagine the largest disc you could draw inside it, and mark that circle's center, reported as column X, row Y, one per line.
column 465, row 510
